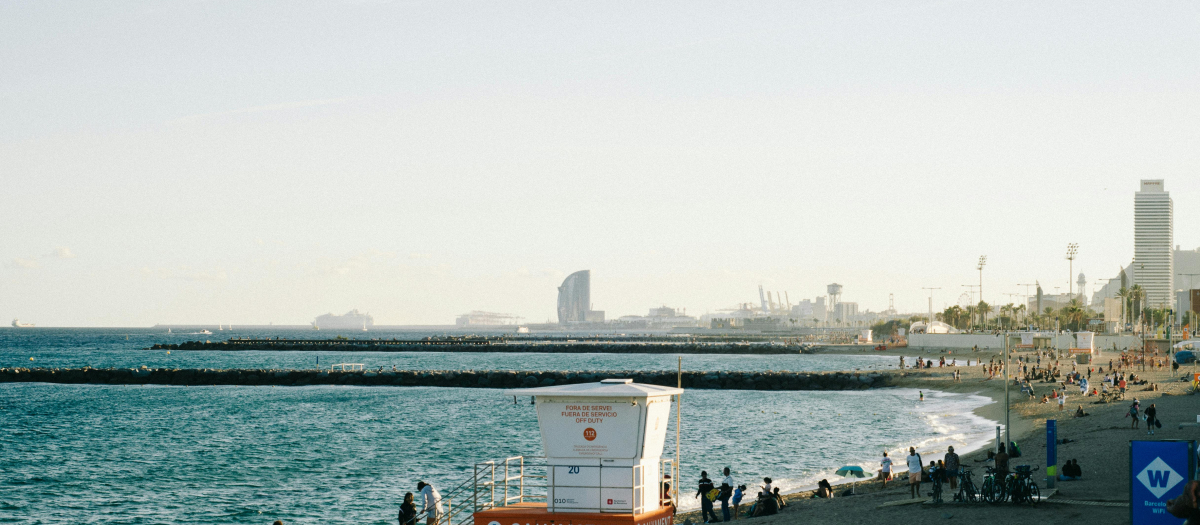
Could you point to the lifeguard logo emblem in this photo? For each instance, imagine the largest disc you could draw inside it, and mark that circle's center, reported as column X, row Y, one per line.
column 589, row 434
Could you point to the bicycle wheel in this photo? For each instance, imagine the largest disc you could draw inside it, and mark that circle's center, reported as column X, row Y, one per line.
column 1035, row 494
column 989, row 490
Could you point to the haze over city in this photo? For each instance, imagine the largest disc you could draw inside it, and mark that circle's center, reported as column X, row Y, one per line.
column 213, row 162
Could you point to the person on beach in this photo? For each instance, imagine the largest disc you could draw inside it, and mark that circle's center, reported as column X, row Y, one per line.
column 1001, row 463
column 778, row 499
column 767, row 488
column 885, row 470
column 1151, row 418
column 726, row 493
column 408, row 510
column 922, row 394
column 914, row 471
column 1134, row 410
column 952, row 468
column 431, row 502
column 738, row 494
column 1079, row 412
column 706, row 504
column 1062, row 400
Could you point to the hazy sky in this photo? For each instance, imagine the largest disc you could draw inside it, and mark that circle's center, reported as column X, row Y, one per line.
column 253, row 162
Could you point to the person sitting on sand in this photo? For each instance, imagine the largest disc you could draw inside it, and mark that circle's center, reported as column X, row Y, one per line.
column 1070, row 471
column 824, row 489
column 1079, row 412
column 1045, row 399
column 778, row 499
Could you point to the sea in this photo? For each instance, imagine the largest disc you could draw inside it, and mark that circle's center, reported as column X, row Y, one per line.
column 339, row 454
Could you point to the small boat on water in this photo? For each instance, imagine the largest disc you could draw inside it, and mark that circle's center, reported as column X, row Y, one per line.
column 18, row 324
column 205, row 332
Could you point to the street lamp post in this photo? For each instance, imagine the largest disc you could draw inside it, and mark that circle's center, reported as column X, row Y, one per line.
column 929, row 323
column 1072, row 249
column 982, row 261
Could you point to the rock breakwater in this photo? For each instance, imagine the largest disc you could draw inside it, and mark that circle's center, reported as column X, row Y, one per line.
column 443, row 378
column 542, row 346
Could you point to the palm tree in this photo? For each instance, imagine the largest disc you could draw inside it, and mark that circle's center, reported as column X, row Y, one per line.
column 1136, row 295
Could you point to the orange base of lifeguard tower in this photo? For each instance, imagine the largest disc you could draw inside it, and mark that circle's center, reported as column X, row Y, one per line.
column 538, row 514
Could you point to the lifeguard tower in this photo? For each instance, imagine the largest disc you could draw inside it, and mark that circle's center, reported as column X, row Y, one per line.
column 604, row 443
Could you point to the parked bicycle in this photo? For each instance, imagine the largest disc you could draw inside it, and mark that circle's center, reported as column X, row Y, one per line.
column 1022, row 486
column 967, row 491
column 937, row 476
column 993, row 490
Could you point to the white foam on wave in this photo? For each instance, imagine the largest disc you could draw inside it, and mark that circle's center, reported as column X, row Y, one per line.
column 950, row 420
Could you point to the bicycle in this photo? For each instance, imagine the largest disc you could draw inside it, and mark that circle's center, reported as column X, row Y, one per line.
column 1023, row 488
column 967, row 492
column 993, row 490
column 936, row 475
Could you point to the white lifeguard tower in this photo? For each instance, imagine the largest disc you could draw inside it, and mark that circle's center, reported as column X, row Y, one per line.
column 604, row 444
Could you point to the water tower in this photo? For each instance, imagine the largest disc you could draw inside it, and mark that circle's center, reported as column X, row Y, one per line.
column 835, row 293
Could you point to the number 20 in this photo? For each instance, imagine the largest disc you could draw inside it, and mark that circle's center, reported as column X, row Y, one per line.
column 572, row 470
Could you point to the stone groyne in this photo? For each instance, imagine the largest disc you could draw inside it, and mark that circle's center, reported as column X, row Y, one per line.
column 444, row 378
column 546, row 346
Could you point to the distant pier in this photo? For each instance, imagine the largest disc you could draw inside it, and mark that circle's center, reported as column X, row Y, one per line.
column 443, row 378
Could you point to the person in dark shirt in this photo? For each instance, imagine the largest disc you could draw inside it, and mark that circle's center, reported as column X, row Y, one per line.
column 408, row 510
column 706, row 505
column 1151, row 417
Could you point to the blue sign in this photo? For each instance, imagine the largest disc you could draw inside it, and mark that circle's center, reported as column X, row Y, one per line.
column 1159, row 470
column 1051, row 451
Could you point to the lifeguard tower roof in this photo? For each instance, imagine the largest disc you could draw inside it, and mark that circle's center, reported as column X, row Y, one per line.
column 605, row 388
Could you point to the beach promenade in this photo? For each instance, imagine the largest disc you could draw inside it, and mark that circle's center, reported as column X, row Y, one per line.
column 1099, row 441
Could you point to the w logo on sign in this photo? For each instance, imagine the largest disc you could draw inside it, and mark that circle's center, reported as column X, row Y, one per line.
column 1158, row 477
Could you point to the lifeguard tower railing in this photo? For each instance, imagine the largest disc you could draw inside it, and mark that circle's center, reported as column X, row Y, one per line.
column 524, row 479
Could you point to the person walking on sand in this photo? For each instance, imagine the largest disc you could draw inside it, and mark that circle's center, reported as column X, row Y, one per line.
column 914, row 471
column 1151, row 418
column 706, row 505
column 726, row 493
column 1134, row 410
column 885, row 470
column 952, row 461
column 431, row 502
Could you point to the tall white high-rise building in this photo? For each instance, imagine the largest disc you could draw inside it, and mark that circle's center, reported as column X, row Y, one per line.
column 1153, row 242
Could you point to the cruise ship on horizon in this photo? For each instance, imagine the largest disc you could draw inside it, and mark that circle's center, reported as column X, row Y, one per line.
column 18, row 324
column 351, row 320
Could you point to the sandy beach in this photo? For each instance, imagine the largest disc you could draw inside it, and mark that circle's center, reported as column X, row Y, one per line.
column 1099, row 441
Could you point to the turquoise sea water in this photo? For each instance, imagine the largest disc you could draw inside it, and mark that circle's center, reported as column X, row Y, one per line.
column 329, row 454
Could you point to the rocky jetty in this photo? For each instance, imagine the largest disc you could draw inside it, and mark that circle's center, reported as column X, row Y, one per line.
column 443, row 378
column 490, row 345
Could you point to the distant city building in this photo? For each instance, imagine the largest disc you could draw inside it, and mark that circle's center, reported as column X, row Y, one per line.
column 575, row 300
column 844, row 311
column 1153, row 238
column 663, row 317
column 351, row 320
column 1187, row 268
column 478, row 318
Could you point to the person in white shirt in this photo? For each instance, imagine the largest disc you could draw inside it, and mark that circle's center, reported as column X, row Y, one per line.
column 431, row 502
column 914, row 471
column 726, row 492
column 886, row 471
column 767, row 488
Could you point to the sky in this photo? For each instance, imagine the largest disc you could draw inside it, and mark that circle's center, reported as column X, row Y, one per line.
column 268, row 162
